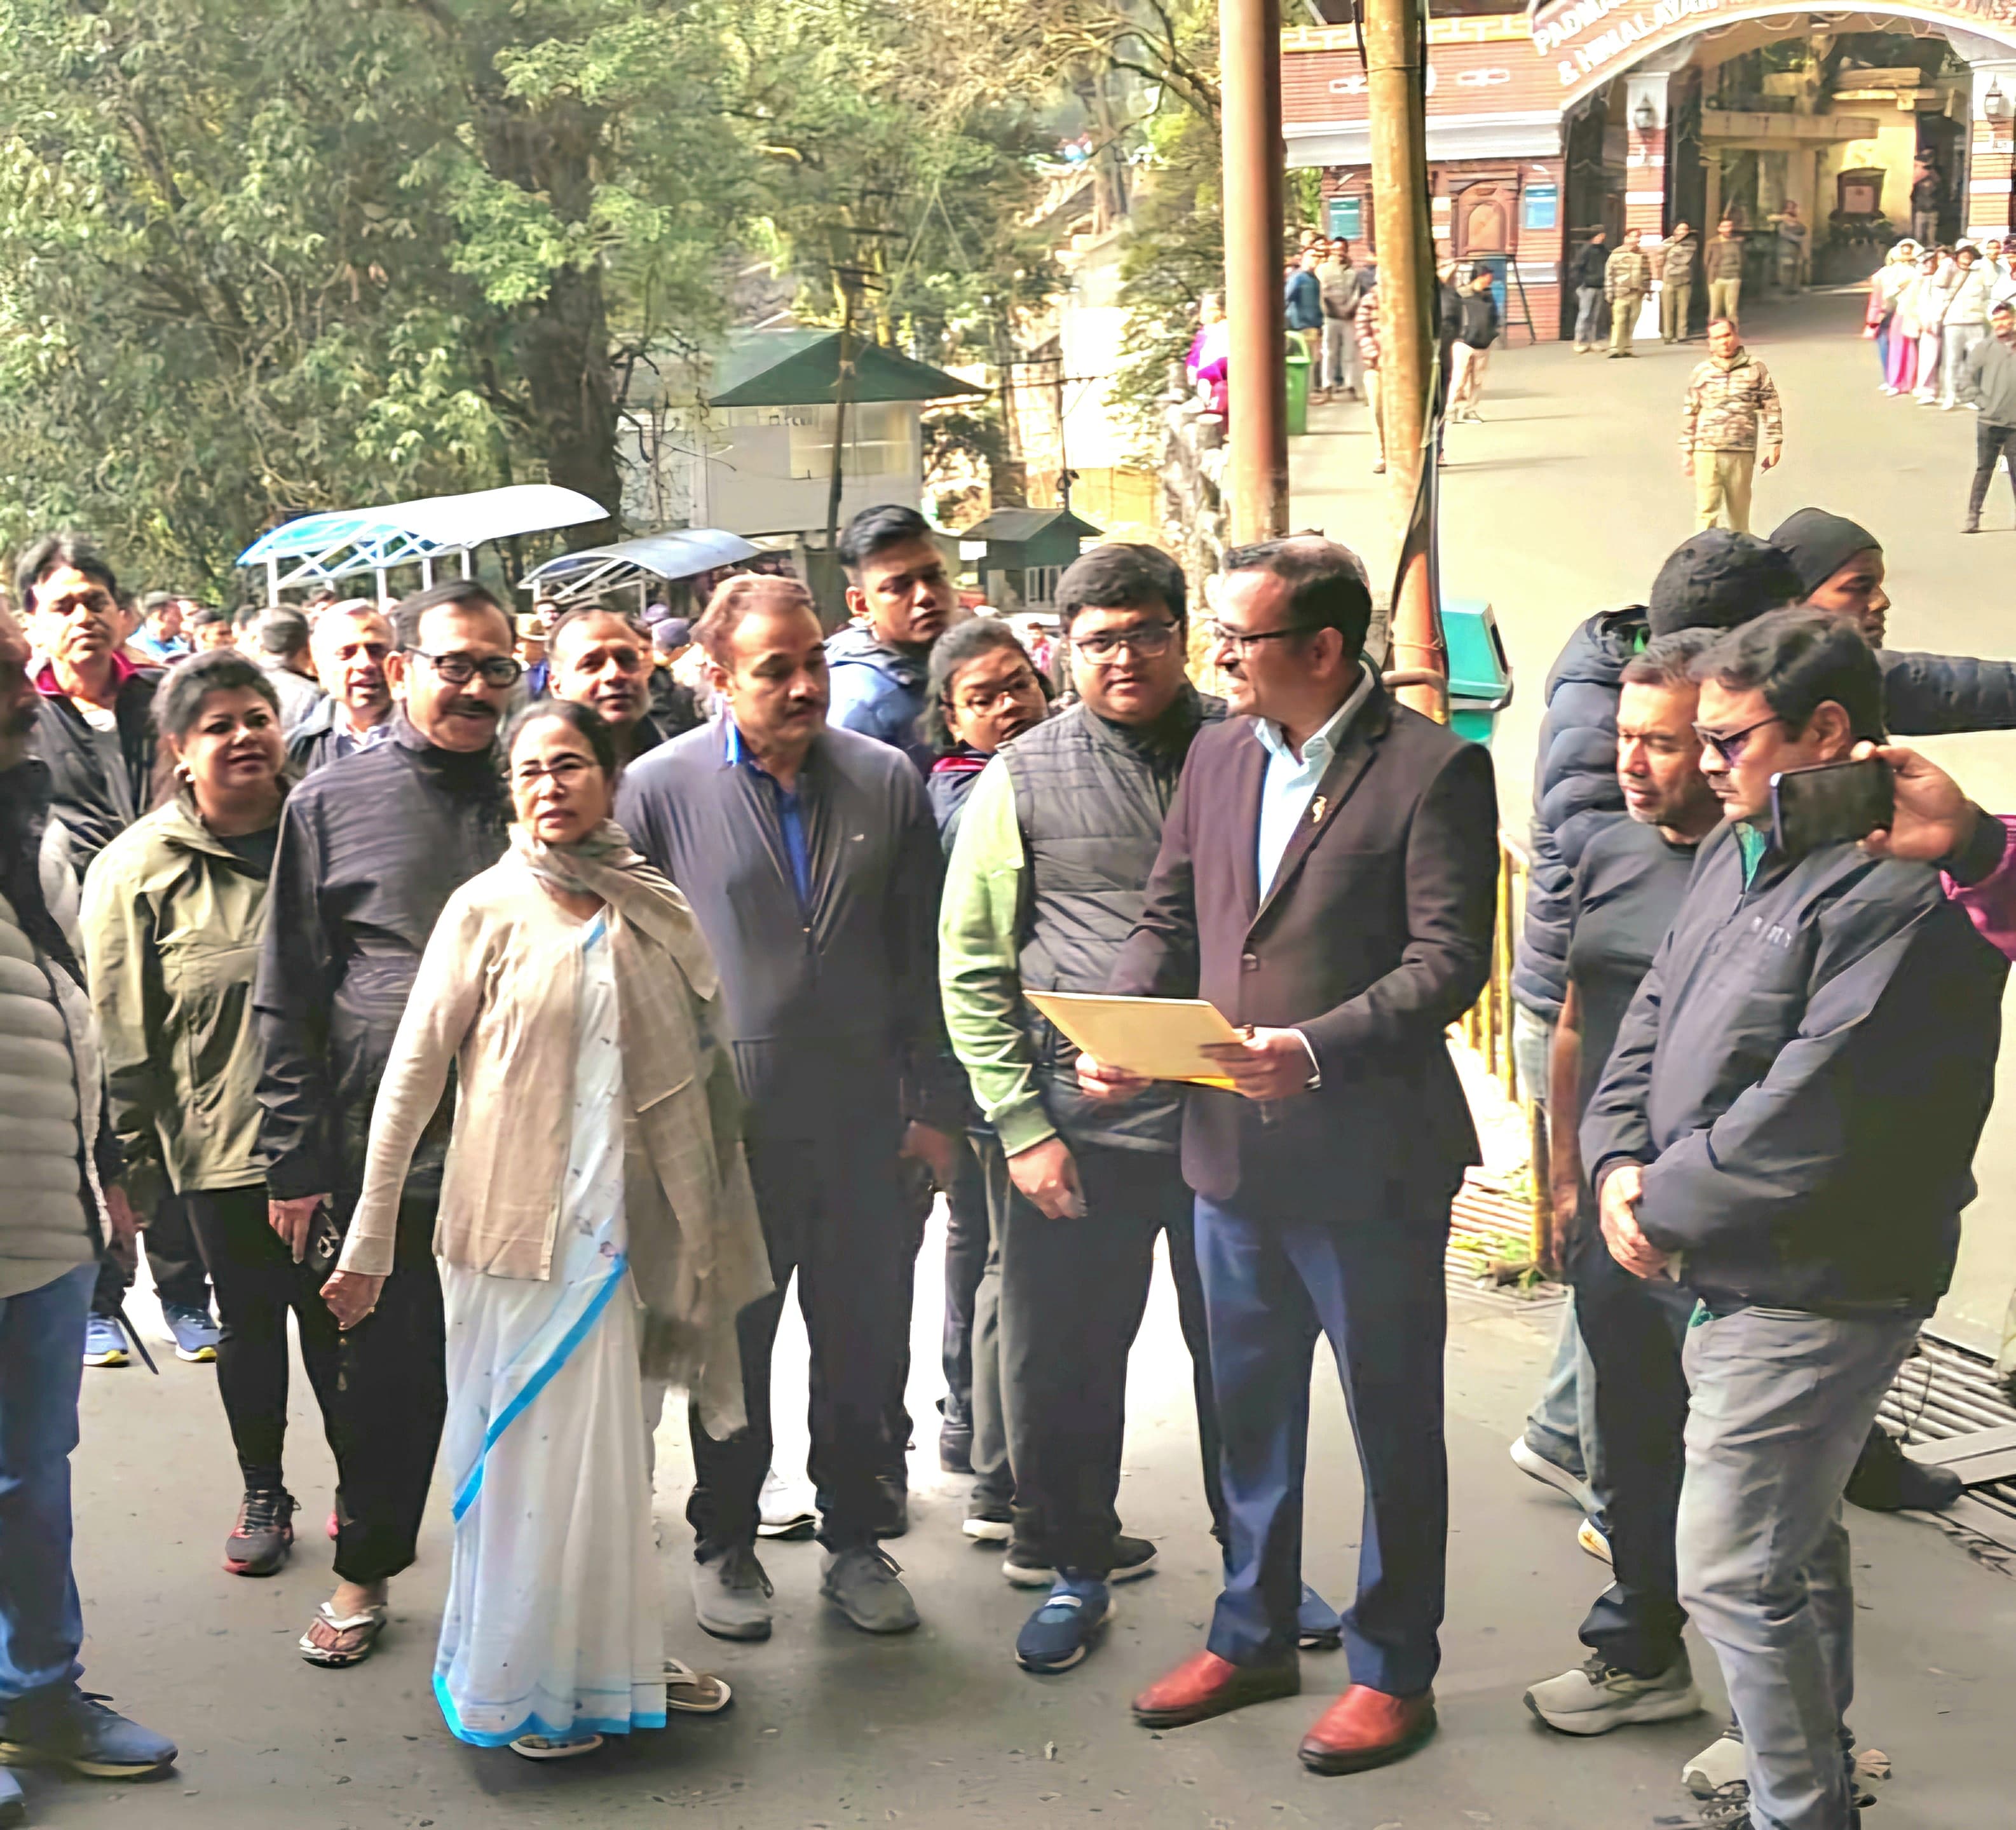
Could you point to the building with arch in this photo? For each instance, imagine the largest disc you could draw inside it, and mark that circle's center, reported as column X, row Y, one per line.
column 1544, row 124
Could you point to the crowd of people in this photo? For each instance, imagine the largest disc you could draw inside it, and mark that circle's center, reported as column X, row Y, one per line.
column 524, row 1046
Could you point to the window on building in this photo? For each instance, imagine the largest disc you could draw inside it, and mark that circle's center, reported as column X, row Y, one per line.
column 879, row 440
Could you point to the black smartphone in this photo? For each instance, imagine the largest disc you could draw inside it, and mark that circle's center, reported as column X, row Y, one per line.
column 1828, row 802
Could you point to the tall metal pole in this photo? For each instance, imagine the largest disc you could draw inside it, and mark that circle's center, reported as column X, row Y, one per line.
column 1250, row 63
column 1395, row 31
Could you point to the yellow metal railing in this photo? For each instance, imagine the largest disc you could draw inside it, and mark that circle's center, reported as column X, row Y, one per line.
column 1487, row 1027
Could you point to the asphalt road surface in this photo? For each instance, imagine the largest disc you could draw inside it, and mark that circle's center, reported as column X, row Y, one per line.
column 1569, row 496
column 831, row 1729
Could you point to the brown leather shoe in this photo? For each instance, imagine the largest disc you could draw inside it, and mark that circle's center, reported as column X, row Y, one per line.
column 1205, row 1686
column 1366, row 1727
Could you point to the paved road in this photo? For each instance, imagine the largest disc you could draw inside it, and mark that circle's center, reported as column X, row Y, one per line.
column 1569, row 497
column 831, row 1729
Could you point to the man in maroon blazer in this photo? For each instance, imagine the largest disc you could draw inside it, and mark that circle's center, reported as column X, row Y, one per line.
column 1326, row 879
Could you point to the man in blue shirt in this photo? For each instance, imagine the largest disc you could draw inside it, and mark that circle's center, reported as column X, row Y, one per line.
column 813, row 863
column 903, row 601
column 1304, row 299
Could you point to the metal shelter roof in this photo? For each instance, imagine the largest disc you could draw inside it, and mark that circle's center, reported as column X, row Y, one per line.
column 676, row 552
column 340, row 543
column 801, row 367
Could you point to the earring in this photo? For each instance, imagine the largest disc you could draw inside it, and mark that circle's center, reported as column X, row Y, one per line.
column 184, row 774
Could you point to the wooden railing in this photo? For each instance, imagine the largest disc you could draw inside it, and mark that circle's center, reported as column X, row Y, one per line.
column 1487, row 1027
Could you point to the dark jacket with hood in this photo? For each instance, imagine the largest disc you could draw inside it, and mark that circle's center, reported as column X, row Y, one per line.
column 1590, row 260
column 371, row 848
column 1576, row 794
column 94, row 809
column 1805, row 1073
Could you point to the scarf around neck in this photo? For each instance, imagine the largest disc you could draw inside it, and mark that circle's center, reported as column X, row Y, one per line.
column 604, row 863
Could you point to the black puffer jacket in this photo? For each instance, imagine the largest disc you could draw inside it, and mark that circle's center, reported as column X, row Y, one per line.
column 1575, row 793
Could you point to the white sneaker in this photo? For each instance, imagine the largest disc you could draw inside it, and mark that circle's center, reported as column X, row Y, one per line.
column 1595, row 1697
column 1717, row 1766
column 1593, row 1542
column 786, row 1509
column 1528, row 1460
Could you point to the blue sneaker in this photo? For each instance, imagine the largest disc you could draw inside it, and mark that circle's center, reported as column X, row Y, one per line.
column 66, row 1726
column 197, row 1333
column 1059, row 1634
column 104, row 1342
column 1317, row 1628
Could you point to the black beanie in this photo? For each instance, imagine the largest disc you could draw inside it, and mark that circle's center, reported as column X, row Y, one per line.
column 1819, row 544
column 1718, row 579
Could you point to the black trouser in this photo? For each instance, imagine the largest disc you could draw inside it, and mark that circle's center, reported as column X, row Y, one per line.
column 172, row 1257
column 1072, row 1295
column 258, row 1283
column 1633, row 1328
column 391, row 1398
column 834, row 1211
column 1990, row 441
column 966, row 1258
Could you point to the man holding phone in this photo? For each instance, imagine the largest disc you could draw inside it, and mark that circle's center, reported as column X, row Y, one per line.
column 1788, row 1124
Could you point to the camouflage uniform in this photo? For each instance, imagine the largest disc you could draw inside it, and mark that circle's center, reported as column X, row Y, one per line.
column 1732, row 412
column 1627, row 277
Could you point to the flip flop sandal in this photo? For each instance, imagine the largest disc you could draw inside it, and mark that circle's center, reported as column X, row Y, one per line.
column 540, row 1747
column 694, row 1693
column 370, row 1620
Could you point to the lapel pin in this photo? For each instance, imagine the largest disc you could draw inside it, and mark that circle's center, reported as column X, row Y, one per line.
column 1318, row 808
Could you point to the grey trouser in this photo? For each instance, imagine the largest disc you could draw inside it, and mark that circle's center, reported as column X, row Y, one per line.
column 1339, row 353
column 1588, row 301
column 1780, row 1406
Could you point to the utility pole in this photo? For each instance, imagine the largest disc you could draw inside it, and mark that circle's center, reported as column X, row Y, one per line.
column 1395, row 33
column 1250, row 61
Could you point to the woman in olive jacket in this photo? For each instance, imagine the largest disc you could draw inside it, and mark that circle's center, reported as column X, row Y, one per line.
column 173, row 909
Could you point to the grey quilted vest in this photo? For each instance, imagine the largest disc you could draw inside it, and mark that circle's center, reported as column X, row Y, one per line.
column 1091, row 797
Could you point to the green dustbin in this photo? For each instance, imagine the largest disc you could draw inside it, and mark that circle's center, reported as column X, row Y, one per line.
column 1298, row 390
column 1480, row 678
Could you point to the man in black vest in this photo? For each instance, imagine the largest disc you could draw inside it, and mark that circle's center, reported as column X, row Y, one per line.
column 1055, row 846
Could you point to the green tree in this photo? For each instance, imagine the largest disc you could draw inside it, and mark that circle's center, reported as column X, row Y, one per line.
column 262, row 258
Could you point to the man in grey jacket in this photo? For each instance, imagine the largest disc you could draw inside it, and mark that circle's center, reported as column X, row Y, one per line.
column 58, row 1198
column 812, row 862
column 1987, row 383
column 1788, row 1124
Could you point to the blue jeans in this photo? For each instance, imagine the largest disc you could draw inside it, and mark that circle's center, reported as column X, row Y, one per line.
column 1273, row 1273
column 41, row 1365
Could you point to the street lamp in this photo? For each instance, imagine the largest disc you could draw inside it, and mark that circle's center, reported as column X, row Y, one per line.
column 1995, row 105
column 1646, row 117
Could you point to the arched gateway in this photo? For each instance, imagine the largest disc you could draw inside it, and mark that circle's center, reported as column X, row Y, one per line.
column 1643, row 113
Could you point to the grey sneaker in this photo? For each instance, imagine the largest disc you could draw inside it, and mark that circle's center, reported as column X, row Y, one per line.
column 1717, row 1766
column 1595, row 1697
column 864, row 1583
column 732, row 1595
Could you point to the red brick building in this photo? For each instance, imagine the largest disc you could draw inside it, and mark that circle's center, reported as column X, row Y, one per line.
column 1641, row 113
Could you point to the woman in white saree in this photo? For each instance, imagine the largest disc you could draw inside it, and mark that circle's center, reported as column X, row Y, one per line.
column 596, row 1227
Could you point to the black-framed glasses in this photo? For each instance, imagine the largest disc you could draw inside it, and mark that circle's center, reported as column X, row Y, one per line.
column 1239, row 641
column 459, row 669
column 1146, row 641
column 1730, row 748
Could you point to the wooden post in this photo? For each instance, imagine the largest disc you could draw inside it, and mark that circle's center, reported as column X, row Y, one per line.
column 1394, row 32
column 1250, row 58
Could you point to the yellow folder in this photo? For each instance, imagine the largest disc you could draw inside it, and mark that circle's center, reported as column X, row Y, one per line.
column 1162, row 1038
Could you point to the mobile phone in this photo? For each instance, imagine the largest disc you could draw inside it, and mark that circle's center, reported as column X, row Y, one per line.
column 325, row 1240
column 1829, row 803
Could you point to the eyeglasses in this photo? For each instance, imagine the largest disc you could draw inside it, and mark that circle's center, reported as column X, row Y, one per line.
column 1730, row 749
column 567, row 772
column 980, row 699
column 1241, row 641
column 459, row 669
column 1145, row 641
